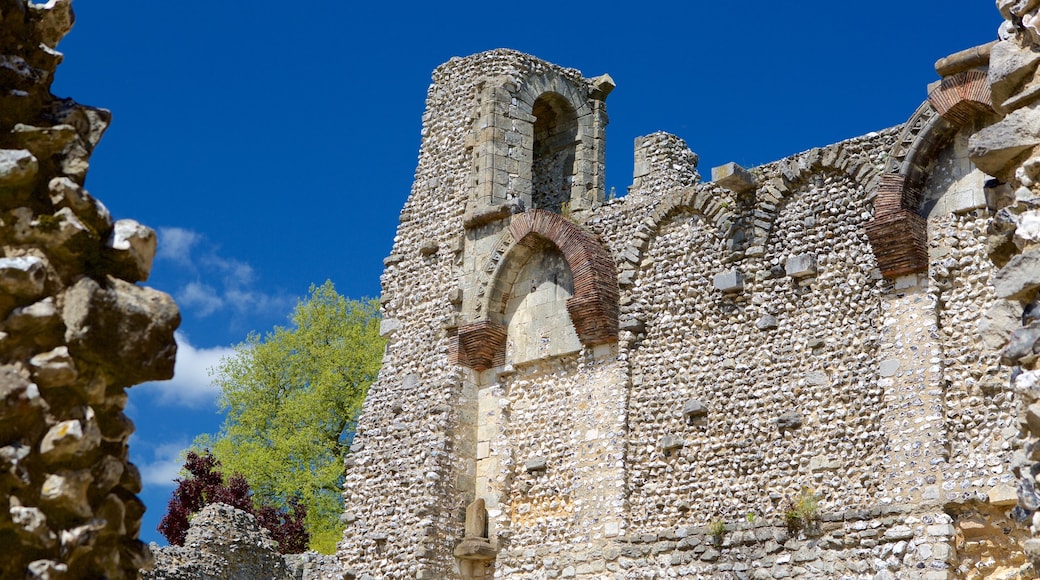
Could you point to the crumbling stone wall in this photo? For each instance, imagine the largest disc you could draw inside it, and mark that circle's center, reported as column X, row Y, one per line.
column 810, row 324
column 1008, row 151
column 75, row 328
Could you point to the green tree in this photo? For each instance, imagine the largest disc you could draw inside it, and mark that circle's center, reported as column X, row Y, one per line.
column 292, row 399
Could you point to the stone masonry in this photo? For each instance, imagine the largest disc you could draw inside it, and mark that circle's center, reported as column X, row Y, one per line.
column 75, row 329
column 800, row 369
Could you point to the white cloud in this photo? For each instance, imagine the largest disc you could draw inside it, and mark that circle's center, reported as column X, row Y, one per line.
column 203, row 298
column 220, row 283
column 191, row 385
column 176, row 244
column 165, row 465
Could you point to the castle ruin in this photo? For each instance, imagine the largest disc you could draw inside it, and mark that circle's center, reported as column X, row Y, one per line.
column 820, row 367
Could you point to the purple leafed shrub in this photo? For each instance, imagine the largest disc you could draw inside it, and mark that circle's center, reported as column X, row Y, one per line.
column 205, row 485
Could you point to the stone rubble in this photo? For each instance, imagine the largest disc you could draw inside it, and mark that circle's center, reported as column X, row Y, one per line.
column 75, row 328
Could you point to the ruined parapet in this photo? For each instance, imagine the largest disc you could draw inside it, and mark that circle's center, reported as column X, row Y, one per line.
column 75, row 329
column 662, row 162
column 1010, row 151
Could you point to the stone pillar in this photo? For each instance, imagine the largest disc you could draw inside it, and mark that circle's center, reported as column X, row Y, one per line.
column 75, row 329
column 475, row 553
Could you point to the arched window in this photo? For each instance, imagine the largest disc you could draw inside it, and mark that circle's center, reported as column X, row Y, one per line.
column 555, row 141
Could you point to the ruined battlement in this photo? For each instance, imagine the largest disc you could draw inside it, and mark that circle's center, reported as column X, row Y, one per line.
column 650, row 383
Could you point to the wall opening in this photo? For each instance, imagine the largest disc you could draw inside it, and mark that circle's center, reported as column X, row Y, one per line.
column 531, row 302
column 555, row 142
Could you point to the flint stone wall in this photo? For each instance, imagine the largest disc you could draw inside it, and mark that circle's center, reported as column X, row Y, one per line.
column 75, row 329
column 762, row 348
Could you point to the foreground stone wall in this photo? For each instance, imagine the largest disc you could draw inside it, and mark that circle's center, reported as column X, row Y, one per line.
column 777, row 373
column 1008, row 150
column 75, row 329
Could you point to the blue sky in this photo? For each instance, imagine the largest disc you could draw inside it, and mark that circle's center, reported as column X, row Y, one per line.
column 272, row 144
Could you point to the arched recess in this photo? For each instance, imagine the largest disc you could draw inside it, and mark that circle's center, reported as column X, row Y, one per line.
column 897, row 233
column 539, row 143
column 555, row 144
column 592, row 307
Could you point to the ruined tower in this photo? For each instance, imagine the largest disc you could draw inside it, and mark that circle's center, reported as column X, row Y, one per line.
column 773, row 373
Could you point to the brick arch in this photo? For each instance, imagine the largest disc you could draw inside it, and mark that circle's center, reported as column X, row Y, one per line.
column 898, row 234
column 593, row 308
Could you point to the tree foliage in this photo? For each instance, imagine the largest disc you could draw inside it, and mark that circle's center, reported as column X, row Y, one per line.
column 205, row 485
column 292, row 399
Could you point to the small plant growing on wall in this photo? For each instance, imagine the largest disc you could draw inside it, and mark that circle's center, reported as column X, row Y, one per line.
column 803, row 511
column 717, row 529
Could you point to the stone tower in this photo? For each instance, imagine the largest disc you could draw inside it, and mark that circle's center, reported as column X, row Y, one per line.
column 776, row 373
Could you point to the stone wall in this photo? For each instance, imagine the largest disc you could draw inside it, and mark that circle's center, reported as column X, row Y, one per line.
column 1008, row 150
column 75, row 328
column 781, row 375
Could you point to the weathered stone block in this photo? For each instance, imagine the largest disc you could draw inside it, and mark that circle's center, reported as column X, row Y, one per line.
column 801, row 266
column 535, row 464
column 1020, row 276
column 734, row 177
column 730, row 281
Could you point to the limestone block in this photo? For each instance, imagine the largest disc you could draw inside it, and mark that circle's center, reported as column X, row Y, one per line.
column 730, row 281
column 125, row 329
column 997, row 324
column 1020, row 276
column 792, row 420
column 694, row 409
column 535, row 464
column 18, row 168
column 67, row 492
column 801, row 266
column 1011, row 65
column 669, row 443
column 130, row 248
column 734, row 177
column 23, row 276
column 1003, row 496
column 993, row 148
column 54, row 368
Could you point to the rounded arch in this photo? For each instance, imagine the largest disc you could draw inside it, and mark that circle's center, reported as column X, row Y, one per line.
column 593, row 306
column 555, row 146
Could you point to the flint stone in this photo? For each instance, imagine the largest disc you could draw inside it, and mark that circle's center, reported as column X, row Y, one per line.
column 125, row 329
column 33, row 318
column 131, row 248
column 791, row 420
column 767, row 322
column 1028, row 230
column 23, row 276
column 1023, row 346
column 694, row 409
column 18, row 167
column 1019, row 277
column 70, row 439
column 997, row 324
column 993, row 148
